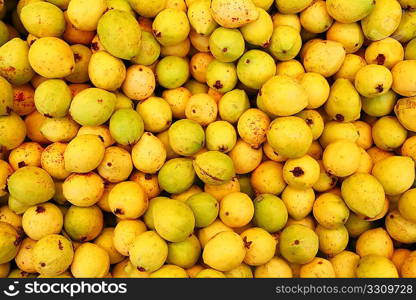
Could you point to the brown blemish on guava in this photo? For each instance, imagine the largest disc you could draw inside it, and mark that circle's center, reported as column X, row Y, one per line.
column 218, row 85
column 380, row 88
column 297, row 172
column 339, row 117
column 247, row 244
column 119, row 211
column 40, row 209
column 60, row 245
column 380, row 59
column 21, row 164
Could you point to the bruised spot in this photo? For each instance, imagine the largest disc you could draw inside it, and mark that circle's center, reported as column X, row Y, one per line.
column 157, row 33
column 109, row 164
column 296, row 242
column 141, row 269
column 60, row 245
column 168, row 122
column 100, row 100
column 42, row 264
column 77, row 57
column 218, row 85
column 339, row 117
column 225, row 49
column 247, row 244
column 19, row 97
column 227, row 213
column 21, row 164
column 119, row 211
column 40, row 209
column 140, row 69
column 309, row 121
column 380, row 59
column 101, row 138
column 147, row 176
column 391, row 217
column 223, row 148
column 379, row 88
column 247, row 61
column 297, row 172
column 319, row 263
column 193, row 111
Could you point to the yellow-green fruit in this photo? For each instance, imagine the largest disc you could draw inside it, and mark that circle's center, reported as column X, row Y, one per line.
column 352, row 63
column 186, row 137
column 406, row 30
column 252, row 126
column 344, row 102
column 290, row 137
column 380, row 105
column 376, row 266
column 225, row 251
column 299, row 202
column 173, row 220
column 406, row 205
column 332, row 241
column 200, row 17
column 220, row 136
column 84, row 14
column 315, row 18
column 324, row 57
column 83, row 189
column 373, row 80
column 315, row 121
column 6, row 99
column 357, row 225
column 147, row 9
column 9, row 216
column 210, row 273
column 51, row 57
column 396, row 174
column 335, row 131
column 242, row 271
column 255, row 68
column 292, row 7
column 214, row 167
column 106, row 71
column 120, row 34
column 260, row 31
column 399, row 228
column 301, row 173
column 176, row 175
column 232, row 105
column 283, row 96
column 317, row 89
column 350, row 12
column 349, row 35
column 171, row 26
column 267, row 178
column 298, row 244
column 227, row 45
column 12, row 131
column 375, row 241
column 388, row 133
column 169, row 271
column 53, row 98
column 405, row 112
column 105, row 241
column 42, row 220
column 84, row 153
column 345, row 264
column 148, row 154
column 233, row 13
column 126, row 126
column 196, row 87
column 201, row 108
column 59, row 129
column 236, row 210
column 386, row 52
column 128, row 200
column 205, row 208
column 285, row 43
column 124, row 234
column 330, row 211
column 260, row 246
column 17, row 206
column 14, row 62
column 31, row 185
column 83, row 223
column 24, row 258
column 341, row 158
column 403, row 82
column 149, row 50
column 52, row 255
column 410, row 50
column 156, row 114
column 27, row 154
column 116, row 165
column 221, row 76
column 43, row 19
column 270, row 212
column 363, row 194
column 172, row 71
column 90, row 261
column 317, row 268
column 184, row 254
column 274, row 268
column 376, row 25
column 10, row 242
column 148, row 252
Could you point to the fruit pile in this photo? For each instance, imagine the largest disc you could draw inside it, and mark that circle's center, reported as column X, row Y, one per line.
column 207, row 138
